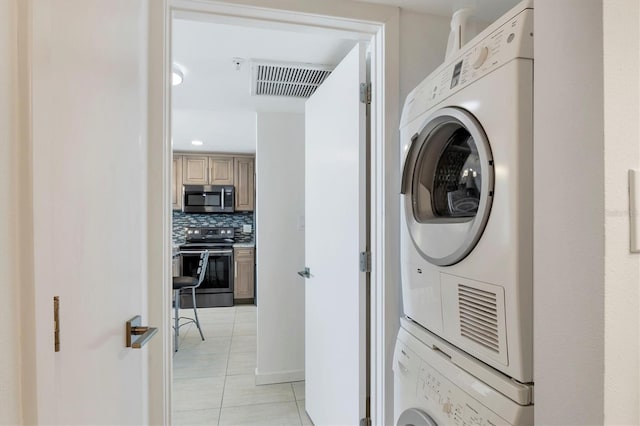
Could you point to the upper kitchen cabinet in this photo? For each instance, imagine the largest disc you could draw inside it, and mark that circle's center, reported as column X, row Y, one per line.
column 176, row 183
column 244, row 183
column 195, row 170
column 207, row 170
column 221, row 170
column 215, row 169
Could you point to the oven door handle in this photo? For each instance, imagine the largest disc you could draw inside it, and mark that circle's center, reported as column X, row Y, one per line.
column 210, row 251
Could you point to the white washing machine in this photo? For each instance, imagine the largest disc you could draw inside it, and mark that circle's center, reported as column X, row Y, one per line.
column 467, row 196
column 432, row 389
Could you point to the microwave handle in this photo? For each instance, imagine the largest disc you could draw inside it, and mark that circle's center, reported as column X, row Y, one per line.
column 222, row 199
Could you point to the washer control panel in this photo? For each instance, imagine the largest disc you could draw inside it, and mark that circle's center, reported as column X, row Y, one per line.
column 505, row 41
column 426, row 379
column 451, row 402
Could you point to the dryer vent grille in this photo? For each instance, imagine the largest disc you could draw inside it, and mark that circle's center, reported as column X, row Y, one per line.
column 479, row 316
column 292, row 80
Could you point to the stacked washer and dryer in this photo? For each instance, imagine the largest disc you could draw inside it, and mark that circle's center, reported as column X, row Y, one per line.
column 464, row 353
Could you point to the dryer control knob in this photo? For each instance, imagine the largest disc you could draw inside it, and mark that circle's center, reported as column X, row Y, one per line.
column 480, row 57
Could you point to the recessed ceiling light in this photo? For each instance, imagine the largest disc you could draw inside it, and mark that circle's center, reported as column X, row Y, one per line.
column 176, row 77
column 196, row 143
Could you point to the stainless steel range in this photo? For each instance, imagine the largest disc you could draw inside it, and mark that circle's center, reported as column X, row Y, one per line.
column 217, row 287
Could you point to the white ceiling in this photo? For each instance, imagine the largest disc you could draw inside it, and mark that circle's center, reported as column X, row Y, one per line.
column 214, row 104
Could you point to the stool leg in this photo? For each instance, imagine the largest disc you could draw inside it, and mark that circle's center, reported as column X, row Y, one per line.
column 195, row 311
column 176, row 320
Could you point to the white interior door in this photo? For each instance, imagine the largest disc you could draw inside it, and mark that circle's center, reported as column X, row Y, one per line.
column 335, row 234
column 89, row 124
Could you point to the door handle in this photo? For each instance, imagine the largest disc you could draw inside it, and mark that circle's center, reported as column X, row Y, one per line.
column 135, row 329
column 306, row 273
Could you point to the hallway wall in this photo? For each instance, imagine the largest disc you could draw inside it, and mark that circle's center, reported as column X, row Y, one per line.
column 280, row 247
column 10, row 389
column 587, row 301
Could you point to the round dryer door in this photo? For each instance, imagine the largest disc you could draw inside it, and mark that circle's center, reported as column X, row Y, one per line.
column 415, row 417
column 447, row 186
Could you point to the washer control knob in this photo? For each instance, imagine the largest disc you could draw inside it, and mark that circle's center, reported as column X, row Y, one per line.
column 480, row 56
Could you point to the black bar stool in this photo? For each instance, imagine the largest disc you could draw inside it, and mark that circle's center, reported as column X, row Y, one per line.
column 188, row 283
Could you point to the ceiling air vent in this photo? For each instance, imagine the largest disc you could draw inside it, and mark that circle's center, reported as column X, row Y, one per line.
column 479, row 317
column 287, row 79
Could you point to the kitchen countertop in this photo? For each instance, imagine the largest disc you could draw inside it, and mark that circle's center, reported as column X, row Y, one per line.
column 176, row 247
column 245, row 245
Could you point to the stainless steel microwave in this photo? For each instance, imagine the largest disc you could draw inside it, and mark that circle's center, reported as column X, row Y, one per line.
column 208, row 199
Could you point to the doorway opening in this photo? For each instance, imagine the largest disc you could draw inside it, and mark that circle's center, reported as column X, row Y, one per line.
column 355, row 30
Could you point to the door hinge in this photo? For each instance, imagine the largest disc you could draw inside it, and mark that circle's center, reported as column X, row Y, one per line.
column 365, row 421
column 365, row 93
column 365, row 261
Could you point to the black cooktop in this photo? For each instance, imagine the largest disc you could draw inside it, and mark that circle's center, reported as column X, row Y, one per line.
column 208, row 237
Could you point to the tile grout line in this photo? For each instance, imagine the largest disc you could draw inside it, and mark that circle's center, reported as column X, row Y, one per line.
column 226, row 369
column 297, row 405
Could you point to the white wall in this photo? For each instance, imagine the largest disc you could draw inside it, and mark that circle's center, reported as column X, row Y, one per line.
column 423, row 42
column 622, row 269
column 587, row 308
column 569, row 215
column 280, row 247
column 10, row 388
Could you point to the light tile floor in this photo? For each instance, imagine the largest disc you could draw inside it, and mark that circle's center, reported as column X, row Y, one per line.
column 214, row 379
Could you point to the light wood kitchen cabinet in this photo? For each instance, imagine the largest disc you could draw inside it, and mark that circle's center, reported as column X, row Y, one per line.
column 245, row 183
column 215, row 169
column 207, row 170
column 244, row 259
column 195, row 170
column 176, row 183
column 221, row 169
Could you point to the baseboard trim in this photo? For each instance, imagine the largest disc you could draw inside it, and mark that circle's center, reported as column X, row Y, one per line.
column 279, row 377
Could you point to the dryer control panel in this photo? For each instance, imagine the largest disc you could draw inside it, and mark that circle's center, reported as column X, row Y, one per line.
column 506, row 40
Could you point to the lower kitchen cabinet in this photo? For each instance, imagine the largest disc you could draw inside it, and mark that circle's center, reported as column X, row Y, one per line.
column 244, row 278
column 175, row 266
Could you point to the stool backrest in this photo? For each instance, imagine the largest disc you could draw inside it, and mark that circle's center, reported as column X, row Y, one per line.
column 202, row 266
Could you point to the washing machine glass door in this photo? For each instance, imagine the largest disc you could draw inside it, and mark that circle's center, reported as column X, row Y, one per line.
column 447, row 186
column 415, row 417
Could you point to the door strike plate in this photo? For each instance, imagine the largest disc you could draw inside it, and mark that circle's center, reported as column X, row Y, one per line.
column 56, row 323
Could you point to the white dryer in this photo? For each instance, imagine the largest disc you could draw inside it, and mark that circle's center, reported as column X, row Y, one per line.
column 467, row 196
column 432, row 389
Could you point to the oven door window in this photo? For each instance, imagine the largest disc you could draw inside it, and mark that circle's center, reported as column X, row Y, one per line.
column 217, row 275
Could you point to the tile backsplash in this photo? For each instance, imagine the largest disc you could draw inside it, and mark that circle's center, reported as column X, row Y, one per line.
column 236, row 220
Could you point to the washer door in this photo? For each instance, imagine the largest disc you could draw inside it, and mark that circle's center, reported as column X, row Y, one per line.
column 447, row 186
column 415, row 417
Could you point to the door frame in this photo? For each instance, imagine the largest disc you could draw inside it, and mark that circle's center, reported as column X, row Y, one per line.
column 378, row 24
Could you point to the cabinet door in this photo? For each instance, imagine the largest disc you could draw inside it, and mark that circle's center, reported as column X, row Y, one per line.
column 176, row 183
column 245, row 183
column 221, row 170
column 244, row 273
column 195, row 170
